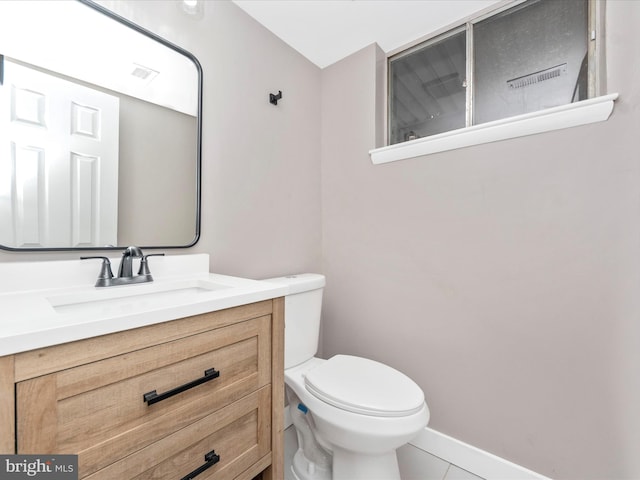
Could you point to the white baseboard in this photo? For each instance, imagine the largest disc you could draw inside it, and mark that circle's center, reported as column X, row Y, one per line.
column 463, row 455
column 470, row 458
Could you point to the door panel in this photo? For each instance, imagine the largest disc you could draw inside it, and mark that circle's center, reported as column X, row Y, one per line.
column 58, row 160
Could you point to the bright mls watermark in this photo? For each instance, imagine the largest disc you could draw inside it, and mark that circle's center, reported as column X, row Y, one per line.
column 50, row 467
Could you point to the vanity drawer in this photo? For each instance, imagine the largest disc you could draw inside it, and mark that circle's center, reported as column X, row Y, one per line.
column 98, row 410
column 239, row 434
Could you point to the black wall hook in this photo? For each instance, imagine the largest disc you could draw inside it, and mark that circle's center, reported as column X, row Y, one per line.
column 273, row 98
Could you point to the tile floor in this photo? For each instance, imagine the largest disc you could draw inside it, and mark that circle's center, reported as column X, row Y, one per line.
column 415, row 464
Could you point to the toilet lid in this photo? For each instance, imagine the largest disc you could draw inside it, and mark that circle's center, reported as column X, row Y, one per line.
column 364, row 386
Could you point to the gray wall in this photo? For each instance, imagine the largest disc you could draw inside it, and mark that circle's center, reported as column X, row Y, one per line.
column 156, row 180
column 504, row 278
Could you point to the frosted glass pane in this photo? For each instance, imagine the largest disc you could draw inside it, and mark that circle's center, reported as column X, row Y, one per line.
column 427, row 92
column 529, row 58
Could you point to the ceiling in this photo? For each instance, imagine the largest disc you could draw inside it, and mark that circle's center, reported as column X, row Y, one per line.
column 325, row 31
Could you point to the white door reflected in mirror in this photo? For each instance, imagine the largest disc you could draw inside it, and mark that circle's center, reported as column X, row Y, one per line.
column 58, row 162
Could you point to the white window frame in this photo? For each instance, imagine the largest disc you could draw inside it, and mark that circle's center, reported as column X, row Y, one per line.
column 594, row 109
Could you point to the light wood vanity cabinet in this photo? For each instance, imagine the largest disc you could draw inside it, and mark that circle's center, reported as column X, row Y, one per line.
column 154, row 402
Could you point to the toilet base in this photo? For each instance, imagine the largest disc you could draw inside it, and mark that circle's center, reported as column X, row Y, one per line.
column 305, row 469
column 356, row 466
column 348, row 466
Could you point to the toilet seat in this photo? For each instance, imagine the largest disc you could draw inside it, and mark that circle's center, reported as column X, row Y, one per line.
column 364, row 386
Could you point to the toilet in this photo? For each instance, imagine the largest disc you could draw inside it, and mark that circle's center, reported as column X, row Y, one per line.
column 350, row 413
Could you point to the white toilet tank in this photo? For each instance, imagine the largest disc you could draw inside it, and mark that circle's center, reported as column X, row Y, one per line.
column 302, row 306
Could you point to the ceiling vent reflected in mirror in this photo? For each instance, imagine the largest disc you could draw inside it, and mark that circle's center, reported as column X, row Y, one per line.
column 143, row 73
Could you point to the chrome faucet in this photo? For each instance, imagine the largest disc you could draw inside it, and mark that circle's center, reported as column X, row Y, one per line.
column 125, row 271
column 126, row 262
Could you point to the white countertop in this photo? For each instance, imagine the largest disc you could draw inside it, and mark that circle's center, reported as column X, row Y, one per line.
column 50, row 314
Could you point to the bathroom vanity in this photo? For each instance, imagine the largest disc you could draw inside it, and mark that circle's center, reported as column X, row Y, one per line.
column 158, row 381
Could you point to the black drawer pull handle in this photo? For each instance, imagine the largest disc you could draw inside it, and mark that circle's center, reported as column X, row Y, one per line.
column 153, row 397
column 211, row 458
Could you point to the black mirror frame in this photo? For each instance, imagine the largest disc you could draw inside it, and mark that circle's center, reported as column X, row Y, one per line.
column 144, row 31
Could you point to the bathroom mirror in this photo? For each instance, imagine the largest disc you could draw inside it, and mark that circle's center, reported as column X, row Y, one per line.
column 100, row 131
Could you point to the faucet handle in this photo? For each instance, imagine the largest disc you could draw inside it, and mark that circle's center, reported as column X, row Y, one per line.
column 144, row 265
column 105, row 271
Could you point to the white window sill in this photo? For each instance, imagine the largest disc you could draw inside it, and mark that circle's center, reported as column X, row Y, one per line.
column 580, row 113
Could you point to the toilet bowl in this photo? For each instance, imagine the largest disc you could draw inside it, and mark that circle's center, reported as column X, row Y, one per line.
column 350, row 413
column 360, row 422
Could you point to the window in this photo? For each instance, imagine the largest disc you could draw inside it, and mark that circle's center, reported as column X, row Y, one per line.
column 532, row 56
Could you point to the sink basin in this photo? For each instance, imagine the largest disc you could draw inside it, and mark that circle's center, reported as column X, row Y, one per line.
column 48, row 303
column 134, row 297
